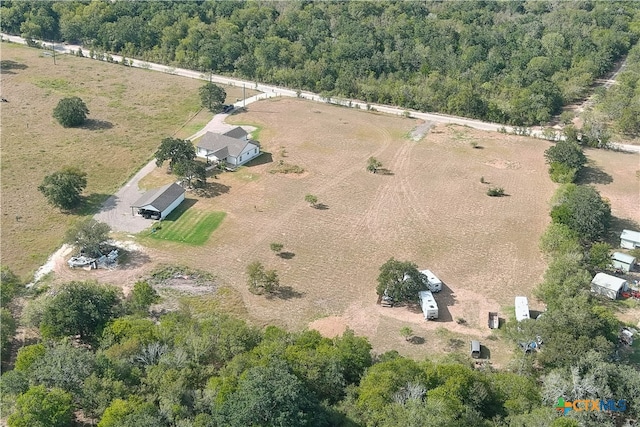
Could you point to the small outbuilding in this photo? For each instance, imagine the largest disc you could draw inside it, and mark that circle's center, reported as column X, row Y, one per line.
column 609, row 286
column 630, row 239
column 475, row 349
column 159, row 202
column 622, row 261
column 522, row 308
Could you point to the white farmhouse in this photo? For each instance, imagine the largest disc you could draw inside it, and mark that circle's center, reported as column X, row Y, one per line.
column 232, row 147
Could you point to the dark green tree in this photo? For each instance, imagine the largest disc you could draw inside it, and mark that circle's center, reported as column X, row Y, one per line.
column 583, row 210
column 193, row 172
column 270, row 396
column 7, row 331
column 175, row 150
column 63, row 188
column 63, row 366
column 98, row 392
column 567, row 153
column 9, row 285
column 212, row 97
column 41, row 408
column 261, row 280
column 71, row 112
column 599, row 257
column 400, row 280
column 79, row 308
column 141, row 298
column 88, row 236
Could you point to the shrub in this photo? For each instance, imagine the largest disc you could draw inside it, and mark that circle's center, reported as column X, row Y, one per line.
column 562, row 173
column 495, row 192
column 71, row 112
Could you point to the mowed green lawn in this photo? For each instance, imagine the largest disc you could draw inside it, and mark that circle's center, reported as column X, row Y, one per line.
column 187, row 225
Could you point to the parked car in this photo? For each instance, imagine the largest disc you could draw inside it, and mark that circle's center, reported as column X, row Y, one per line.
column 227, row 108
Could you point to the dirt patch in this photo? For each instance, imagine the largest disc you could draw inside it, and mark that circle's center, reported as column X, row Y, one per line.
column 330, row 327
column 421, row 130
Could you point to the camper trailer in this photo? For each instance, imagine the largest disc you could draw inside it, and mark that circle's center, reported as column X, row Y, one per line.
column 522, row 308
column 429, row 305
column 433, row 283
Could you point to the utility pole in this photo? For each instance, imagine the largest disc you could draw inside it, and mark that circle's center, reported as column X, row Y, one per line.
column 244, row 96
column 53, row 48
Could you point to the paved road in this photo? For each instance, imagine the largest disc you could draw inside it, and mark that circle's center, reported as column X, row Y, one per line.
column 270, row 91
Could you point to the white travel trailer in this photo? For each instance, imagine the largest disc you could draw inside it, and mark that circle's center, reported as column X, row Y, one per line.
column 429, row 305
column 434, row 284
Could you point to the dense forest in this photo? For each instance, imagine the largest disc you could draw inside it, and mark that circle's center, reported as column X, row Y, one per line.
column 514, row 62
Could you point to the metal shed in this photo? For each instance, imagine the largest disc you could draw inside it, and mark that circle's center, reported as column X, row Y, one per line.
column 159, row 202
column 609, row 286
column 623, row 261
column 475, row 349
column 630, row 239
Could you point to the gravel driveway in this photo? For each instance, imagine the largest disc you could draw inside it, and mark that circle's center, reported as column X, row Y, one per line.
column 116, row 210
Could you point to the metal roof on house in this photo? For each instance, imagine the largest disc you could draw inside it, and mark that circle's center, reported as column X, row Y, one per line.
column 160, row 198
column 630, row 235
column 608, row 282
column 215, row 142
column 627, row 259
column 236, row 132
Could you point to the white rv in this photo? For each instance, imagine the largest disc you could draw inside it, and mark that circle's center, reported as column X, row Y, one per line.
column 429, row 305
column 522, row 308
column 433, row 283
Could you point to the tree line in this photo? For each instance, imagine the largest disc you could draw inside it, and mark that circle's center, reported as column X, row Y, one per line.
column 513, row 62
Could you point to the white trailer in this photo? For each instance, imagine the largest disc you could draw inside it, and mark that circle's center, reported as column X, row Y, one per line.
column 429, row 305
column 522, row 308
column 434, row 284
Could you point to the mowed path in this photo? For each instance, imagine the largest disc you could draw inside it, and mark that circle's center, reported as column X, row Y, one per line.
column 430, row 209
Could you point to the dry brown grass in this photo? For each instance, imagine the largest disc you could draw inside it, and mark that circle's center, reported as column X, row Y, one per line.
column 430, row 208
column 131, row 110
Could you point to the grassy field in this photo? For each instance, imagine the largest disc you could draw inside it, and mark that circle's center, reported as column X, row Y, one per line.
column 131, row 111
column 187, row 225
column 429, row 208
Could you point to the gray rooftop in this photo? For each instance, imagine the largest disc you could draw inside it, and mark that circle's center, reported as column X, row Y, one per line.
column 627, row 259
column 609, row 282
column 215, row 143
column 237, row 133
column 160, row 198
column 633, row 236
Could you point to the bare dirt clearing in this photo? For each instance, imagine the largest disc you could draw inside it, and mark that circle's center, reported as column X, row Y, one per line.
column 431, row 208
column 130, row 113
